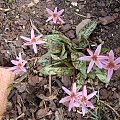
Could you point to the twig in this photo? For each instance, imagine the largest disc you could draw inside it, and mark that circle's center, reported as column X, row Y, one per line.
column 34, row 27
column 20, row 116
column 80, row 15
column 110, row 108
column 50, row 79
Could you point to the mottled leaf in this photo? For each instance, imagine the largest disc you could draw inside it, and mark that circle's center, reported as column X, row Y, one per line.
column 79, row 64
column 86, row 30
column 59, row 69
column 80, row 81
column 44, row 59
column 102, row 75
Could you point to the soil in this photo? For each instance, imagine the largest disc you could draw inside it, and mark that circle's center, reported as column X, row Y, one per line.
column 30, row 99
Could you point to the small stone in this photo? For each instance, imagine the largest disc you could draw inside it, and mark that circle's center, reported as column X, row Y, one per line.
column 66, row 27
column 71, row 34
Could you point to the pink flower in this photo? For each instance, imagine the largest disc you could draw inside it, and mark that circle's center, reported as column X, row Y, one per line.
column 73, row 96
column 33, row 40
column 94, row 58
column 111, row 64
column 84, row 100
column 19, row 64
column 55, row 15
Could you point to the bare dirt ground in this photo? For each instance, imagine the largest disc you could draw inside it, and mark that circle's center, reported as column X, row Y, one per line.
column 29, row 99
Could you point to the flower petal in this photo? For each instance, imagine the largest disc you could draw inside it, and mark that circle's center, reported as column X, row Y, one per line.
column 90, row 66
column 71, row 104
column 49, row 18
column 89, row 104
column 23, row 69
column 14, row 62
column 117, row 61
column 35, row 48
column 65, row 99
column 38, row 37
column 49, row 11
column 85, row 58
column 110, row 72
column 60, row 12
column 12, row 68
column 55, row 10
column 102, row 57
column 98, row 63
column 32, row 33
column 25, row 38
column 54, row 20
column 27, row 43
column 111, row 55
column 83, row 109
column 74, row 87
column 66, row 90
column 90, row 52
column 40, row 42
column 61, row 20
column 20, row 57
column 97, row 51
column 116, row 67
column 91, row 95
column 84, row 91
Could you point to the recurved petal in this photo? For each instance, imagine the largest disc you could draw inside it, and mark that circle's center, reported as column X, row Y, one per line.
column 71, row 105
column 66, row 90
column 25, row 38
column 65, row 99
column 74, row 87
column 23, row 69
column 91, row 95
column 98, row 63
column 84, row 91
column 40, row 42
column 85, row 58
column 55, row 10
column 38, row 37
column 111, row 55
column 14, row 62
column 61, row 20
column 97, row 51
column 12, row 68
column 83, row 109
column 117, row 61
column 90, row 52
column 102, row 57
column 35, row 48
column 49, row 11
column 60, row 12
column 32, row 33
column 90, row 66
column 55, row 20
column 89, row 104
column 110, row 72
column 27, row 43
column 49, row 18
column 117, row 67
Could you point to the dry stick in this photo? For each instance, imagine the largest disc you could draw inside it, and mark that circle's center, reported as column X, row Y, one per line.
column 50, row 79
column 110, row 108
column 20, row 116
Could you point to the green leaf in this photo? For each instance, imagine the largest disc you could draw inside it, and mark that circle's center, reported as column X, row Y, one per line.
column 86, row 30
column 80, row 81
column 91, row 75
column 44, row 59
column 79, row 64
column 101, row 74
column 55, row 69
